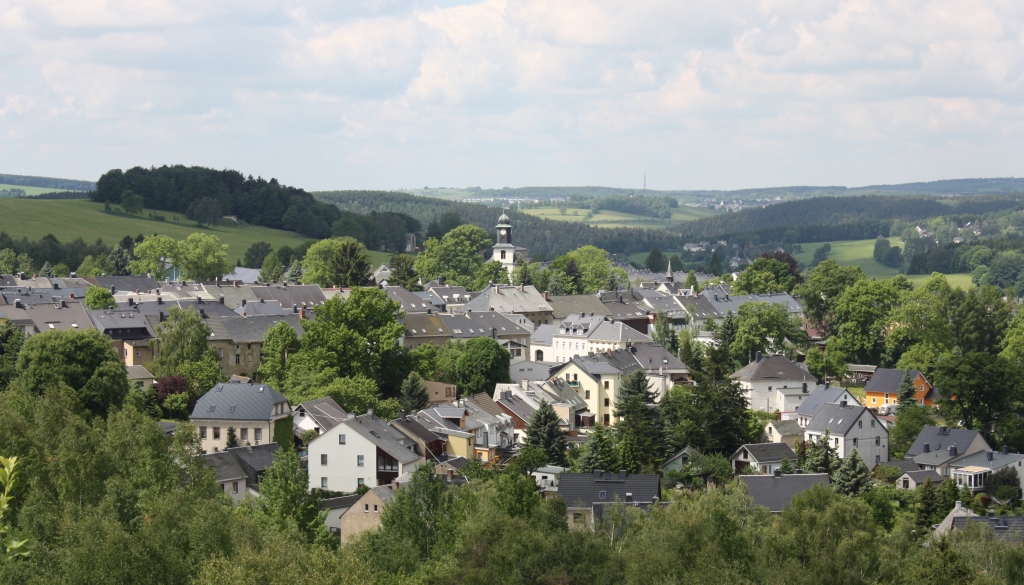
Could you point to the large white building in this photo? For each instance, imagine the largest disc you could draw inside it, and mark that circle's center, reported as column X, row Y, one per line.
column 774, row 383
column 361, row 450
column 851, row 426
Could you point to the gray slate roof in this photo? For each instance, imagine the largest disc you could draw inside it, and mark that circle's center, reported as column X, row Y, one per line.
column 126, row 283
column 940, row 439
column 887, row 380
column 904, row 465
column 775, row 492
column 1003, row 527
column 225, row 466
column 788, row 428
column 384, row 492
column 254, row 461
column 767, row 452
column 507, row 299
column 774, row 367
column 532, row 371
column 836, row 419
column 981, row 459
column 325, row 412
column 923, row 475
column 254, row 329
column 237, row 401
column 390, row 440
column 564, row 306
column 819, row 397
column 339, row 503
column 582, row 490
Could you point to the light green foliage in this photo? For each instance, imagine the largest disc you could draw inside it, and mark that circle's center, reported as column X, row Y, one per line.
column 150, row 254
column 908, row 425
column 286, row 500
column 336, row 262
column 786, row 467
column 131, row 202
column 455, row 257
column 8, row 261
column 665, row 334
column 587, row 270
column 825, row 364
column 543, row 432
column 492, row 272
column 765, row 275
column 202, row 374
column 414, row 396
column 98, row 297
column 474, row 366
column 424, row 360
column 81, row 360
column 202, row 257
column 853, row 476
column 888, row 474
column 861, row 313
column 421, row 513
column 10, row 548
column 691, row 281
column 270, row 270
column 180, row 339
column 279, row 342
column 1013, row 341
column 764, row 327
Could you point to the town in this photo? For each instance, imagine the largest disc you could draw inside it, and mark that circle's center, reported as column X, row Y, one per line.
column 398, row 415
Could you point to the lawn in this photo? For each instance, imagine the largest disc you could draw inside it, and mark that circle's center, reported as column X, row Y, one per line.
column 861, row 253
column 29, row 191
column 607, row 218
column 73, row 218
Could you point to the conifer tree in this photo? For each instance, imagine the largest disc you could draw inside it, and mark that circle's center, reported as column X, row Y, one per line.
column 853, row 477
column 927, row 504
column 232, row 438
column 786, row 467
column 640, row 430
column 599, row 451
column 414, row 396
column 821, row 457
column 907, row 393
column 544, row 433
column 691, row 281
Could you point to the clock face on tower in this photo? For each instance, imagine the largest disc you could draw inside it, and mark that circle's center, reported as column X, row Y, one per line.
column 502, row 232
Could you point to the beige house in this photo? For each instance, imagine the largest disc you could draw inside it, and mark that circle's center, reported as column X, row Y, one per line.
column 253, row 410
column 239, row 340
column 441, row 392
column 365, row 513
column 783, row 431
column 595, row 380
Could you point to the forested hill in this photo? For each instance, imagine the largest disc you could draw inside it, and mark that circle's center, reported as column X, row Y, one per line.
column 840, row 218
column 47, row 183
column 540, row 236
column 196, row 191
column 1006, row 185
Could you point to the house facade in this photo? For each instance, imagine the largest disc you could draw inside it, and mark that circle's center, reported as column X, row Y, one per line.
column 365, row 513
column 884, row 388
column 361, row 450
column 774, row 383
column 851, row 427
column 254, row 411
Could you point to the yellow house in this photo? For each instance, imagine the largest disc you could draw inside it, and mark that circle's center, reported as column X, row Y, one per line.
column 595, row 380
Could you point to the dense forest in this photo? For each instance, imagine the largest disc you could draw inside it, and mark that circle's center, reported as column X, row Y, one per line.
column 826, row 219
column 542, row 236
column 207, row 193
column 47, row 182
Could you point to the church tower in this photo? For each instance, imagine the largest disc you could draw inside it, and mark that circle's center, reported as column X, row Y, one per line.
column 504, row 251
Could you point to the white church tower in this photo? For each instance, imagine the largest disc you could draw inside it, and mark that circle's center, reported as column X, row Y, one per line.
column 504, row 251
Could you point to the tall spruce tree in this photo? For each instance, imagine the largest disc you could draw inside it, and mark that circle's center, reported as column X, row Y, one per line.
column 640, row 430
column 544, row 433
column 821, row 456
column 413, row 394
column 927, row 504
column 853, row 477
column 907, row 393
column 599, row 451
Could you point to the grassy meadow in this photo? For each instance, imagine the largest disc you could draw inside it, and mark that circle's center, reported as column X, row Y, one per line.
column 29, row 191
column 861, row 253
column 607, row 218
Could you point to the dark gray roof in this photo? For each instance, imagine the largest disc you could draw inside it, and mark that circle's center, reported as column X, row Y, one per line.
column 652, row 356
column 126, row 283
column 339, row 503
column 788, row 428
column 775, row 492
column 300, row 295
column 410, row 302
column 517, row 406
column 128, row 322
column 384, row 492
column 836, row 419
column 225, row 466
column 819, row 397
column 325, row 412
column 237, row 401
column 414, row 427
column 767, row 452
column 423, row 324
column 981, row 459
column 254, row 461
column 941, row 438
column 774, row 367
column 595, row 365
column 254, row 329
column 923, row 475
column 904, row 465
column 532, row 371
column 582, row 490
column 699, row 307
column 390, row 440
column 887, row 380
column 483, row 324
column 1003, row 527
column 689, row 451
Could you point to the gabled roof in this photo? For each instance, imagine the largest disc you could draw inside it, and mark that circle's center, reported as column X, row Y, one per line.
column 237, row 401
column 243, row 274
column 766, row 452
column 775, row 492
column 941, row 438
column 486, row 404
column 887, row 380
column 774, row 367
column 516, row 405
column 325, row 412
column 532, row 371
column 787, row 428
column 617, row 332
column 507, row 299
column 254, row 329
column 1009, row 528
column 565, row 306
column 389, row 440
column 687, row 450
column 838, row 420
column 483, row 324
column 384, row 492
column 922, row 475
column 595, row 365
column 699, row 307
column 225, row 466
column 982, row 459
column 904, row 465
column 125, row 283
column 424, row 324
column 583, row 490
column 410, row 302
column 415, row 428
column 340, row 502
column 819, row 397
column 299, row 295
column 254, row 461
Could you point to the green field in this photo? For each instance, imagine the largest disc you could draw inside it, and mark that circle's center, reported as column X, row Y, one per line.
column 73, row 218
column 29, row 191
column 861, row 253
column 606, row 218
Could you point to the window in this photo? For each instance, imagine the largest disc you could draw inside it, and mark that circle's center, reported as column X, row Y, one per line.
column 238, row 359
column 906, row 484
column 359, row 460
column 202, row 433
column 606, row 384
column 375, row 508
column 245, row 434
column 480, row 455
column 606, row 402
column 341, row 439
column 878, row 459
column 502, row 257
column 234, row 487
column 216, row 433
column 878, row 441
column 323, row 459
column 872, row 424
column 602, row 495
column 360, row 482
column 607, row 420
column 855, row 442
column 588, row 394
column 366, row 507
column 126, row 352
column 138, row 353
column 323, row 483
column 837, row 441
column 860, row 425
column 258, row 433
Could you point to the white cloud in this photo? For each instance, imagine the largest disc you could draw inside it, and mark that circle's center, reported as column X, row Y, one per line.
column 388, row 93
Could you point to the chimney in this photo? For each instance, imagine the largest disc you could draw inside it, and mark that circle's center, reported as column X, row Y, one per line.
column 943, row 430
column 757, row 357
column 159, row 300
column 161, row 316
column 989, row 455
column 716, row 297
column 623, row 473
column 524, row 383
column 545, row 295
column 302, row 313
column 202, row 313
column 799, row 471
column 927, row 448
column 295, row 308
column 597, row 474
column 805, row 392
column 842, row 404
column 952, row 450
column 991, row 512
column 1006, row 449
column 827, row 384
column 522, row 287
column 235, row 284
column 112, row 289
column 220, row 299
column 369, row 411
column 778, row 473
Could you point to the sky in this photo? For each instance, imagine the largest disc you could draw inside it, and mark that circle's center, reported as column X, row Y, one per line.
column 385, row 94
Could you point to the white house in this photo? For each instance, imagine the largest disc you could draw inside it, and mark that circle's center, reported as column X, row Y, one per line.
column 774, row 383
column 582, row 335
column 251, row 409
column 763, row 458
column 973, row 471
column 317, row 415
column 360, row 450
column 821, row 395
column 851, row 427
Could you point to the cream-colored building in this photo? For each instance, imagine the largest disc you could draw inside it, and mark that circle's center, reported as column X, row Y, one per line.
column 365, row 513
column 252, row 410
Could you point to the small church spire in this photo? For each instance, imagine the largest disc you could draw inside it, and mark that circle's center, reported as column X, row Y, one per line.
column 668, row 273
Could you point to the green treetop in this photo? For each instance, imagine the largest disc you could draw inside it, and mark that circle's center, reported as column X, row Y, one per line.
column 544, row 432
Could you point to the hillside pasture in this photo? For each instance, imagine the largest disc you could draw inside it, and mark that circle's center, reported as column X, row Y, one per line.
column 608, row 218
column 30, row 191
column 861, row 253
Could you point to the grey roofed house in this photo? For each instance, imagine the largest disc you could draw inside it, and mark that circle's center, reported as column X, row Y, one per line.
column 325, row 412
column 516, row 405
column 263, row 308
column 653, row 357
column 298, row 295
column 542, row 334
column 385, row 493
column 530, row 371
column 680, row 458
column 583, row 490
column 125, row 283
column 254, row 329
column 235, row 401
column 990, row 459
column 415, row 427
column 565, row 306
column 254, row 461
column 484, row 324
column 725, row 303
column 919, row 476
column 887, row 380
column 766, row 452
column 836, row 419
column 821, row 395
column 700, row 308
column 424, row 326
column 940, row 438
column 775, row 491
column 787, row 428
column 595, row 365
column 623, row 306
column 507, row 299
column 410, row 302
column 40, row 318
column 617, row 332
column 225, row 466
column 140, row 373
column 773, row 367
column 388, row 439
column 1009, row 528
column 122, row 324
column 243, row 275
column 903, row 465
column 234, row 296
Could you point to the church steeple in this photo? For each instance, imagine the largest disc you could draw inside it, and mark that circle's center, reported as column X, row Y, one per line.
column 668, row 273
column 504, row 229
column 504, row 251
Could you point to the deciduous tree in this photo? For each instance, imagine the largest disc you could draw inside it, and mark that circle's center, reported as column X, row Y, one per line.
column 336, row 262
column 98, row 297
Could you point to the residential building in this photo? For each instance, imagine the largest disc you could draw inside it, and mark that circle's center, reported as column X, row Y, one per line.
column 521, row 400
column 936, row 447
column 775, row 491
column 761, row 457
column 360, row 450
column 1006, row 528
column 597, row 381
column 884, row 388
column 521, row 300
column 821, row 395
column 850, row 427
column 547, row 477
column 783, row 431
column 142, row 376
column 365, row 513
column 441, row 392
column 495, row 325
column 774, row 383
column 625, row 307
column 427, row 442
column 586, row 495
column 450, row 298
column 239, row 340
column 228, row 474
column 973, row 471
column 336, row 508
column 911, row 479
column 411, row 303
column 317, row 415
column 681, row 458
column 238, row 470
column 253, row 410
column 566, row 306
column 425, row 327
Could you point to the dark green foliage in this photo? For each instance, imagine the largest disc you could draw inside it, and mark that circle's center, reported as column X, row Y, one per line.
column 599, row 452
column 543, row 432
column 712, row 417
column 822, row 456
column 11, row 339
column 907, row 393
column 232, row 438
column 853, row 476
column 978, row 381
column 908, row 426
column 665, row 334
column 255, row 254
column 285, row 497
column 403, row 272
column 413, row 394
column 656, row 261
column 640, row 430
column 927, row 505
column 474, row 366
column 421, row 513
column 886, row 254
